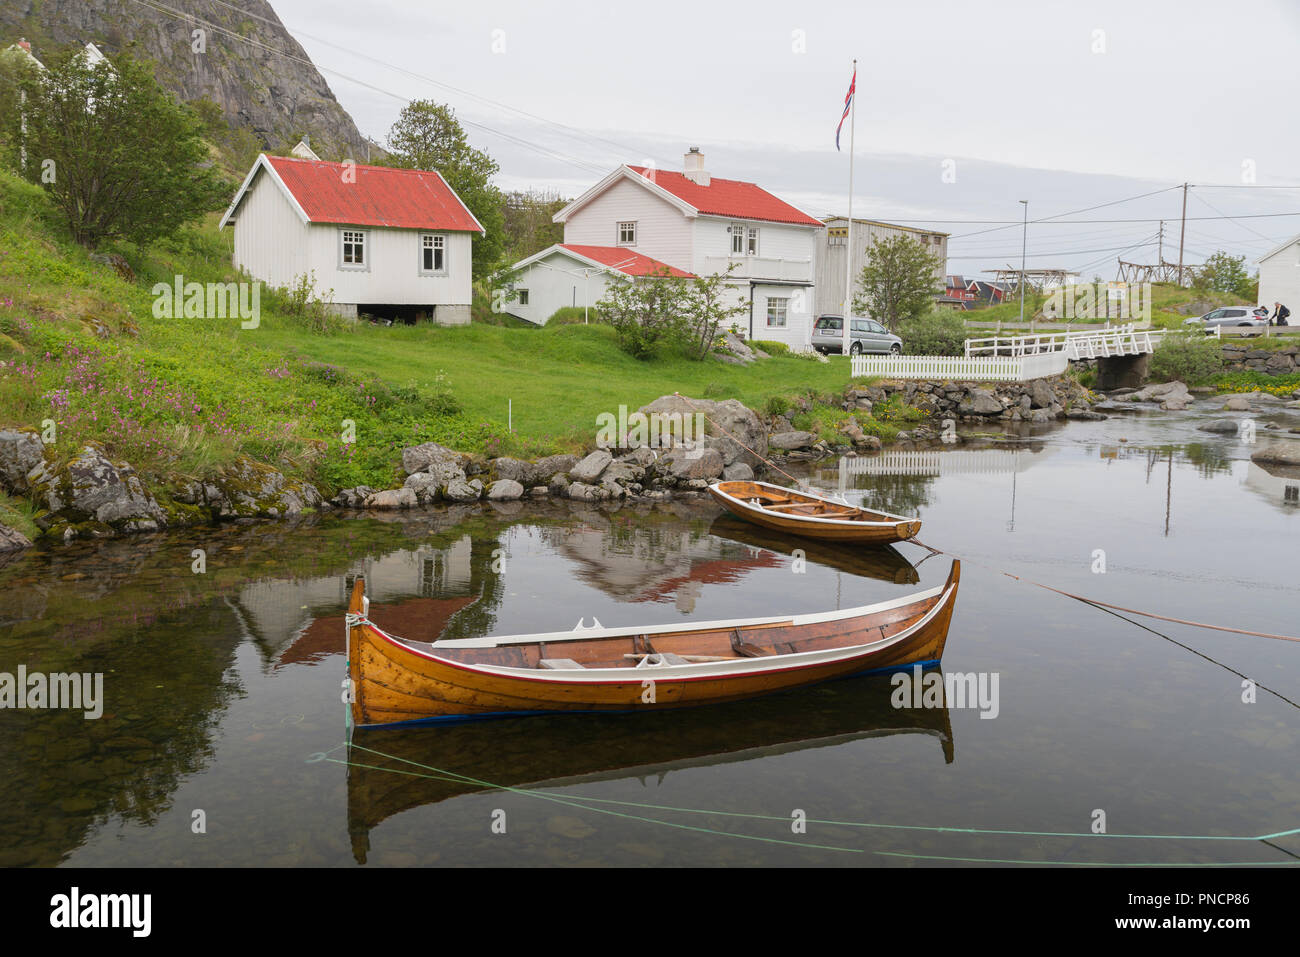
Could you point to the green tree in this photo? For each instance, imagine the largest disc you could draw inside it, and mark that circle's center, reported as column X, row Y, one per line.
column 899, row 281
column 116, row 153
column 528, row 224
column 1224, row 273
column 428, row 136
column 647, row 313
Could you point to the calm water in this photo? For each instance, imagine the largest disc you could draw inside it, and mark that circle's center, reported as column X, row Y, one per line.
column 223, row 688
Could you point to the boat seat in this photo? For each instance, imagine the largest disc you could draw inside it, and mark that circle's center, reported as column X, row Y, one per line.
column 558, row 663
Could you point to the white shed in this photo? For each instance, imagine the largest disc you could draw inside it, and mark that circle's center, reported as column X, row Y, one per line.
column 1279, row 278
column 371, row 239
column 569, row 274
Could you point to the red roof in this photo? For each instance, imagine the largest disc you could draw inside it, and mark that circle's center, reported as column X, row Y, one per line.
column 376, row 196
column 729, row 197
column 625, row 260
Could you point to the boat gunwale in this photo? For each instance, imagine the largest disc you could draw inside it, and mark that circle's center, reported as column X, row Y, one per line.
column 692, row 671
column 892, row 520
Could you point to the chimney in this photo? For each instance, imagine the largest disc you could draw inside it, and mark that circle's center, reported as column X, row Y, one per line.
column 25, row 45
column 694, row 167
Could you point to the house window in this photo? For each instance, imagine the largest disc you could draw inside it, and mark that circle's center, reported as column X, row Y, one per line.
column 776, row 311
column 737, row 239
column 523, row 297
column 751, row 241
column 353, row 253
column 627, row 234
column 837, row 236
column 433, row 255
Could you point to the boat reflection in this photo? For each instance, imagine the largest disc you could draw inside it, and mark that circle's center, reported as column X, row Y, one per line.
column 881, row 562
column 395, row 770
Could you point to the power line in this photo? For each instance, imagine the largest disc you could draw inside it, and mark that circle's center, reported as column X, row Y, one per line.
column 1206, row 202
column 1086, row 209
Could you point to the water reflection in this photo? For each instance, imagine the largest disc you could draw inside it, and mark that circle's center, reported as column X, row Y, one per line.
column 394, row 770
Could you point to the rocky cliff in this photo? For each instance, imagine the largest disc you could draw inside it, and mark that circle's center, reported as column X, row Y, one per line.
column 265, row 82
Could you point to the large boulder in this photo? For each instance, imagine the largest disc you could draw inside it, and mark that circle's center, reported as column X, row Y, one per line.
column 93, row 491
column 543, row 469
column 253, row 489
column 590, row 468
column 505, row 490
column 1040, row 394
column 1286, row 452
column 20, row 452
column 438, row 460
column 733, row 428
column 788, row 441
column 1220, row 426
column 686, row 464
column 515, row 469
column 984, row 402
column 1237, row 403
column 393, row 498
column 1159, row 392
column 459, row 490
column 738, row 472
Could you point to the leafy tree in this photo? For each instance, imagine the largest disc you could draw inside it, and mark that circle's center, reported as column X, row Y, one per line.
column 428, row 136
column 707, row 308
column 939, row 332
column 1192, row 359
column 528, row 225
column 1224, row 273
column 899, row 281
column 647, row 313
column 116, row 153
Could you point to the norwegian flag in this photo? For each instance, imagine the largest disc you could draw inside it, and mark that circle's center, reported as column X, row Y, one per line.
column 848, row 105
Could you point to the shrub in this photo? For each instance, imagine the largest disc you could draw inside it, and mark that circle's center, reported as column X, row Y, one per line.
column 777, row 405
column 573, row 315
column 770, row 347
column 941, row 332
column 1193, row 359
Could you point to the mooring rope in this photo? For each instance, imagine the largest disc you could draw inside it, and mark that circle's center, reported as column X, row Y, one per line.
column 1028, row 581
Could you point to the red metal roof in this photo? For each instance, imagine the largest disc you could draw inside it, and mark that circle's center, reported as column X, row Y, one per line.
column 625, row 260
column 379, row 196
column 728, row 197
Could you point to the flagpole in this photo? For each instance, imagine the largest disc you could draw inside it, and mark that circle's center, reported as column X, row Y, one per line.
column 848, row 249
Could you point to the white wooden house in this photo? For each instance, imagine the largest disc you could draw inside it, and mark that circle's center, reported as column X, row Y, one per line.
column 388, row 242
column 697, row 224
column 1279, row 278
column 574, row 275
column 832, row 271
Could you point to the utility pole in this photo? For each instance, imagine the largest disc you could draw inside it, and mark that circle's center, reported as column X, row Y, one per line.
column 1024, row 245
column 1181, row 233
column 1160, row 258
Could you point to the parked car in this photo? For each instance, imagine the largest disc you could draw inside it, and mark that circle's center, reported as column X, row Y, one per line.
column 865, row 335
column 1231, row 316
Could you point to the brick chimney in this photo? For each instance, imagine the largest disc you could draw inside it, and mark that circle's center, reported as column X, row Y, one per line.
column 694, row 167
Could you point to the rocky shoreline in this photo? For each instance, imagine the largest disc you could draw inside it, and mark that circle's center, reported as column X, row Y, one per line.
column 93, row 496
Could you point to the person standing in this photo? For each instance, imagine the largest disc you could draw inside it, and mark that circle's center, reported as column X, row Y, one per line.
column 1280, row 314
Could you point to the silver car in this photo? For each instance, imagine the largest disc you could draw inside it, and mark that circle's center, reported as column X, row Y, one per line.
column 1231, row 316
column 866, row 335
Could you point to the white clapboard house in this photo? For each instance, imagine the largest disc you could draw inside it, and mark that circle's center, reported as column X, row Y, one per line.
column 1279, row 278
column 638, row 219
column 388, row 242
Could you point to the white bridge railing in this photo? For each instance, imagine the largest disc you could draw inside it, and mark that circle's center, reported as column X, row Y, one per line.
column 938, row 462
column 1014, row 358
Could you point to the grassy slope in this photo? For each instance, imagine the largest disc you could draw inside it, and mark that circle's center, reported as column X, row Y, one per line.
column 179, row 398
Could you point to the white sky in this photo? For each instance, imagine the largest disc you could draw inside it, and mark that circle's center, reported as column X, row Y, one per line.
column 1012, row 92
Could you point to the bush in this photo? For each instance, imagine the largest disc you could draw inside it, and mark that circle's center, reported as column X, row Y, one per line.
column 941, row 332
column 770, row 347
column 1193, row 359
column 777, row 405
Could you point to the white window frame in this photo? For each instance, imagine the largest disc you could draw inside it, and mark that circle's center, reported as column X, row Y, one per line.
column 751, row 241
column 523, row 297
column 359, row 235
column 781, row 306
column 619, row 233
column 431, row 241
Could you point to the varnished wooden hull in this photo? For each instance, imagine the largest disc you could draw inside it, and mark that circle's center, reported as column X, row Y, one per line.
column 395, row 681
column 836, row 523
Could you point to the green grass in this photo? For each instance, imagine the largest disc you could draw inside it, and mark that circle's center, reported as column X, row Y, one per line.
column 181, row 398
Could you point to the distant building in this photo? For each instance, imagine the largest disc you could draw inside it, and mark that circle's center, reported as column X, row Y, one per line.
column 833, row 248
column 1279, row 278
column 391, row 242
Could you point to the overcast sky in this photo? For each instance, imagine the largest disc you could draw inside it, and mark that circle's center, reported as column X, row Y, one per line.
column 1065, row 104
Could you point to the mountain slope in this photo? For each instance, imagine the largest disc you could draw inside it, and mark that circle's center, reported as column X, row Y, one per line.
column 278, row 97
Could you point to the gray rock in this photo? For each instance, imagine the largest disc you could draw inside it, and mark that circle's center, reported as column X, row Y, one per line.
column 622, row 472
column 736, row 430
column 11, row 539
column 543, row 469
column 438, row 460
column 984, row 402
column 582, row 492
column 392, row 498
column 92, row 488
column 1040, row 394
column 1176, row 403
column 643, row 456
column 505, row 490
column 1237, row 403
column 507, row 468
column 1040, row 416
column 738, row 472
column 590, row 468
column 425, row 487
column 791, row 440
column 686, row 464
column 458, row 490
column 353, row 497
column 1085, row 415
column 20, row 452
column 1286, row 452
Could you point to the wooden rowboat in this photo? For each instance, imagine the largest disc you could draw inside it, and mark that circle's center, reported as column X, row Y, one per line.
column 811, row 515
column 399, row 681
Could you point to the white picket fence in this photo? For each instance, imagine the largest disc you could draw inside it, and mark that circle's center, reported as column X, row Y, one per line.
column 964, row 368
